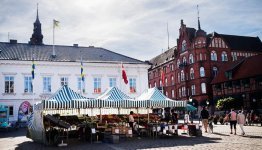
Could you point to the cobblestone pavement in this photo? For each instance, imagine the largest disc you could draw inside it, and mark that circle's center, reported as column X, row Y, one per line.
column 220, row 139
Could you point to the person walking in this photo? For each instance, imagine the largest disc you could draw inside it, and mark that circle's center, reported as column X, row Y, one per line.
column 205, row 116
column 233, row 121
column 131, row 120
column 241, row 121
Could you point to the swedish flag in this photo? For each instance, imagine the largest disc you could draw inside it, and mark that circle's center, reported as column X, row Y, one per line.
column 33, row 69
column 82, row 72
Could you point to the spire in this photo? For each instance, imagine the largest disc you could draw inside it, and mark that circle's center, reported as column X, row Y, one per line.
column 37, row 37
column 199, row 32
column 37, row 18
column 199, row 28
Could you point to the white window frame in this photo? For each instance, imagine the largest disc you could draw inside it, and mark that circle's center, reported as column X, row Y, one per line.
column 132, row 85
column 28, row 87
column 202, row 71
column 112, row 82
column 63, row 81
column 203, row 88
column 192, row 73
column 97, row 85
column 213, row 56
column 47, row 84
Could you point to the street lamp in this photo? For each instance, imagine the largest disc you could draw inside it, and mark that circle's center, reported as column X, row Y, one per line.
column 190, row 99
column 207, row 102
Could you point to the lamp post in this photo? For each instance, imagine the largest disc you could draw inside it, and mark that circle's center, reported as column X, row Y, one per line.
column 207, row 105
column 190, row 100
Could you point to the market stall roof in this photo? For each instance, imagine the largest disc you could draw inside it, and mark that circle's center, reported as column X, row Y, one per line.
column 190, row 107
column 158, row 99
column 113, row 94
column 114, row 97
column 63, row 98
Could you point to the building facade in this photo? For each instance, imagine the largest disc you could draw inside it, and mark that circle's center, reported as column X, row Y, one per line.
column 198, row 58
column 241, row 80
column 31, row 72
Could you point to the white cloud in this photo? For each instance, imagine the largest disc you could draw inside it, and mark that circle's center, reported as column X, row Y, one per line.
column 136, row 28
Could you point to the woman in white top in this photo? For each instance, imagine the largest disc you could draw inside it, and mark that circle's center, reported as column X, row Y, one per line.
column 241, row 121
column 131, row 120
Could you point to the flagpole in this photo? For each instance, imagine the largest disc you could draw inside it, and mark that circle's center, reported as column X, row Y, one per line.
column 53, row 38
column 120, row 80
column 81, row 86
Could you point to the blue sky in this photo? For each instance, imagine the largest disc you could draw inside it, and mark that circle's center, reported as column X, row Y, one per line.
column 136, row 28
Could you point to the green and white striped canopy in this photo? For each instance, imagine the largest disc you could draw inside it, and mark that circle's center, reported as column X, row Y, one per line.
column 63, row 98
column 154, row 98
column 113, row 97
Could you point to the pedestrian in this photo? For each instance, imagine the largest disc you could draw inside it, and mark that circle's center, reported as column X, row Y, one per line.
column 204, row 116
column 131, row 120
column 186, row 118
column 241, row 121
column 174, row 117
column 248, row 119
column 233, row 121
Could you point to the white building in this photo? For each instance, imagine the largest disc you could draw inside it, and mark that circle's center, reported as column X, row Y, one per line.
column 54, row 68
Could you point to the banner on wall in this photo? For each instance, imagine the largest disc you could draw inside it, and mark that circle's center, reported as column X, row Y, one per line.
column 23, row 111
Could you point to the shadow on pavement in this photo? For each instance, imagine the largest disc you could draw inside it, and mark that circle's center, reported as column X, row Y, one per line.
column 128, row 144
column 221, row 134
column 253, row 136
column 12, row 132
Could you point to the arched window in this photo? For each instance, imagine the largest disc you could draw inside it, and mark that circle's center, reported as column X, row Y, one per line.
column 160, row 83
column 224, row 56
column 178, row 77
column 192, row 74
column 178, row 63
column 182, row 75
column 191, row 59
column 213, row 56
column 215, row 71
column 184, row 60
column 172, row 80
column 166, row 81
column 203, row 88
column 202, row 71
column 200, row 57
column 183, row 48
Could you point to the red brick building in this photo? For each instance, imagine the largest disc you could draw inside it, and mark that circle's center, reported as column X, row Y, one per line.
column 241, row 80
column 191, row 66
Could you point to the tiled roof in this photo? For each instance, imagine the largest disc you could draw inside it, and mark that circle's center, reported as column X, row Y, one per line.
column 242, row 43
column 249, row 67
column 164, row 57
column 24, row 52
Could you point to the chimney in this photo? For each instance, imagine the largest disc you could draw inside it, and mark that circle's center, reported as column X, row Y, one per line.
column 12, row 41
column 75, row 45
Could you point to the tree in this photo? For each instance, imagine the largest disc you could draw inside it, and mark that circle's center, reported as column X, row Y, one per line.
column 228, row 103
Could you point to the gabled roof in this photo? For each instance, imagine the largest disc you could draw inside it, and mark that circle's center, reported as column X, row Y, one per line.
column 114, row 94
column 24, row 52
column 241, row 43
column 242, row 69
column 164, row 57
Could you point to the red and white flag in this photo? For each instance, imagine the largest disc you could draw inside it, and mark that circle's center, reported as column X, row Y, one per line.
column 124, row 77
column 163, row 77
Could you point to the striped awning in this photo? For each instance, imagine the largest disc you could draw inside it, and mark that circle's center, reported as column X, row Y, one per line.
column 154, row 98
column 113, row 97
column 63, row 98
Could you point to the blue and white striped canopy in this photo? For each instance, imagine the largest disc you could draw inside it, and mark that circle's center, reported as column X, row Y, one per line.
column 63, row 98
column 154, row 98
column 113, row 97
